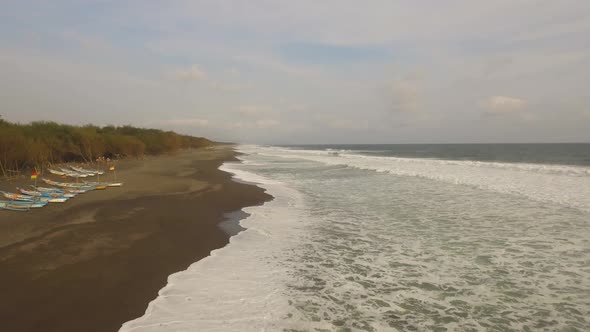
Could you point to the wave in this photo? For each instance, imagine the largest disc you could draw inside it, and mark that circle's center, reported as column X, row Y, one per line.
column 561, row 184
column 239, row 287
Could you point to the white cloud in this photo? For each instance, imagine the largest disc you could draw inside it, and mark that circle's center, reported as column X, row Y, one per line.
column 88, row 42
column 348, row 124
column 471, row 50
column 188, row 122
column 193, row 73
column 258, row 124
column 503, row 104
column 267, row 123
column 228, row 87
column 274, row 64
column 404, row 93
column 252, row 110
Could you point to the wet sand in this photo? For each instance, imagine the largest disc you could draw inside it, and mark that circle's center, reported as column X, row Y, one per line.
column 96, row 261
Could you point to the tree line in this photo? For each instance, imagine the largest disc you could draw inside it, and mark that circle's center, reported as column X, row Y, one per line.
column 40, row 143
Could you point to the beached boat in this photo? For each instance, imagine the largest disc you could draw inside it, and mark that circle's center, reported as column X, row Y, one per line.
column 28, row 198
column 8, row 205
column 44, row 194
column 68, row 185
column 69, row 191
column 18, row 197
column 88, row 171
column 37, row 204
column 106, row 184
column 66, row 172
column 54, row 199
column 56, row 172
column 74, row 174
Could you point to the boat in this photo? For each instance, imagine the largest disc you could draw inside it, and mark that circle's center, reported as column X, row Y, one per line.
column 44, row 194
column 18, row 197
column 88, row 171
column 28, row 198
column 69, row 191
column 81, row 186
column 29, row 192
column 74, row 174
column 107, row 184
column 66, row 172
column 38, row 204
column 56, row 172
column 8, row 205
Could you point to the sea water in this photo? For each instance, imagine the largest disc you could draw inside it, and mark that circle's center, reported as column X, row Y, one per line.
column 397, row 238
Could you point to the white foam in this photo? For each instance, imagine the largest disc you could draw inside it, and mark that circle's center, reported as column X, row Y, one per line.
column 562, row 184
column 239, row 287
column 356, row 250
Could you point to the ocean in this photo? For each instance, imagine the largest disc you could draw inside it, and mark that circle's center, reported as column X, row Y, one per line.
column 397, row 238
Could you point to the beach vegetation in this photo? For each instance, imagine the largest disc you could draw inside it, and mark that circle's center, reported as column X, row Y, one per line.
column 40, row 143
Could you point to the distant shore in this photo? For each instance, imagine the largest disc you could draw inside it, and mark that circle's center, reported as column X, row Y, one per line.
column 96, row 261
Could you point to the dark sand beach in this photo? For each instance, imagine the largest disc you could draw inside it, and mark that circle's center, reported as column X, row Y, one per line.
column 96, row 261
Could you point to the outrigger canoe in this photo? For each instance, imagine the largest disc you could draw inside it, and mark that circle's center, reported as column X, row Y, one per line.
column 75, row 174
column 105, row 184
column 8, row 205
column 88, row 171
column 66, row 172
column 68, row 185
column 28, row 198
column 58, row 190
column 37, row 204
column 44, row 194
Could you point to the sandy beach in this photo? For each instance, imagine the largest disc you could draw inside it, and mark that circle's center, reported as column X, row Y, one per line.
column 96, row 261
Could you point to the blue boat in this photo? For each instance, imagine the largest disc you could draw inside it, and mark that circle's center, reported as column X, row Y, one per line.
column 10, row 205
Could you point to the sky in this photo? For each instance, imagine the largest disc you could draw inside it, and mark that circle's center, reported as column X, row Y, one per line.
column 305, row 71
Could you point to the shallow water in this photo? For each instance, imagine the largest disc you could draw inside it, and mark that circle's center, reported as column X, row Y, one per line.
column 375, row 243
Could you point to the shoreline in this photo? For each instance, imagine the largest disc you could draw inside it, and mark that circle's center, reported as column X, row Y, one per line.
column 95, row 262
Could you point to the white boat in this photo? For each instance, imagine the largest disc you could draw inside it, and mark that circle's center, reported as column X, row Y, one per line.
column 56, row 172
column 88, row 171
column 10, row 205
column 74, row 174
column 32, row 199
column 105, row 184
column 70, row 186
column 44, row 194
column 65, row 192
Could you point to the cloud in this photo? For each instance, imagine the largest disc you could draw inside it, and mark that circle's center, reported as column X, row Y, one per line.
column 227, row 87
column 496, row 64
column 88, row 42
column 476, row 54
column 188, row 122
column 503, row 105
column 193, row 73
column 404, row 93
column 274, row 64
column 258, row 124
column 332, row 54
column 348, row 124
column 252, row 110
column 297, row 108
column 267, row 123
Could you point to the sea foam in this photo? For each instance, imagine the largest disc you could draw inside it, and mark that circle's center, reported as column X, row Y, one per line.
column 239, row 287
column 562, row 184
